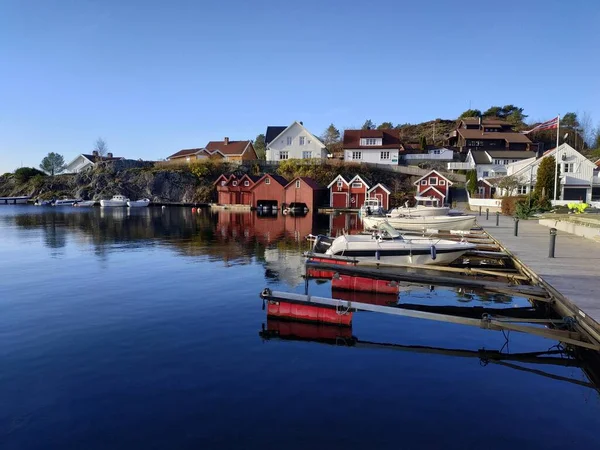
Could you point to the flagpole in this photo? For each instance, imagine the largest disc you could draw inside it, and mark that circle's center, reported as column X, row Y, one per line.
column 556, row 156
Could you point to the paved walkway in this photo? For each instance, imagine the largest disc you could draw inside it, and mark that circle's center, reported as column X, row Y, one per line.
column 575, row 270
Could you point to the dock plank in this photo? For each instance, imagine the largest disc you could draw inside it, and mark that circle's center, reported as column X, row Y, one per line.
column 575, row 270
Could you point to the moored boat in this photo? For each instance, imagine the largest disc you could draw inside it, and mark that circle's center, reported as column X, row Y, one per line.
column 388, row 245
column 139, row 203
column 370, row 206
column 421, row 223
column 85, row 203
column 426, row 206
column 40, row 202
column 116, row 201
column 66, row 202
column 14, row 200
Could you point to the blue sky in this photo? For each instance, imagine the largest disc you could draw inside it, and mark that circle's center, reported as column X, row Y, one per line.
column 153, row 77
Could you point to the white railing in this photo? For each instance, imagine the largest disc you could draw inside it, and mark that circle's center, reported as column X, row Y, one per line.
column 460, row 166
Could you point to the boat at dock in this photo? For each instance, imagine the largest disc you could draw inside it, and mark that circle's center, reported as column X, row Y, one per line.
column 421, row 223
column 426, row 206
column 388, row 245
column 85, row 203
column 66, row 201
column 116, row 201
column 139, row 203
column 371, row 206
column 22, row 200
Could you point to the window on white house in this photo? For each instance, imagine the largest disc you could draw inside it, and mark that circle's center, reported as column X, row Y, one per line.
column 505, row 161
column 357, row 185
column 496, row 161
column 522, row 190
column 284, row 155
column 442, row 182
column 486, row 174
column 246, row 183
column 437, row 152
column 384, row 156
column 514, row 160
column 356, row 155
column 297, row 184
column 569, row 167
column 267, row 181
column 423, row 182
column 306, row 155
column 432, row 181
column 289, row 140
column 301, row 140
column 370, row 141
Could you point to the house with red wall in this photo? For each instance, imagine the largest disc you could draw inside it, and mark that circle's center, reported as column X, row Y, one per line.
column 358, row 191
column 339, row 192
column 305, row 190
column 381, row 193
column 227, row 191
column 434, row 184
column 269, row 190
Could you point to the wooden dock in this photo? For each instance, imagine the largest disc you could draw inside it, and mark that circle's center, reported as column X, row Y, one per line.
column 571, row 276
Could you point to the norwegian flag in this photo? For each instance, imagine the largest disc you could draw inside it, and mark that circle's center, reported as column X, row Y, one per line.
column 548, row 125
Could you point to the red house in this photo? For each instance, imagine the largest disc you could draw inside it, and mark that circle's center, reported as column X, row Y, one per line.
column 305, row 190
column 227, row 190
column 269, row 191
column 434, row 184
column 358, row 191
column 339, row 192
column 246, row 183
column 381, row 193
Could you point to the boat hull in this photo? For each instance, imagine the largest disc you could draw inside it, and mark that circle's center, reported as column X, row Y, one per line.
column 66, row 202
column 138, row 203
column 460, row 223
column 421, row 211
column 112, row 203
column 85, row 204
column 409, row 258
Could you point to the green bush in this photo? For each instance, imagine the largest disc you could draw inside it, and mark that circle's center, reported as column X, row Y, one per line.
column 23, row 174
column 523, row 210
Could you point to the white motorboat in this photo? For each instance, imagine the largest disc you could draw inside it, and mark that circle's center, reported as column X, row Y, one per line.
column 116, row 201
column 85, row 203
column 66, row 202
column 421, row 223
column 39, row 202
column 14, row 200
column 139, row 203
column 370, row 206
column 388, row 245
column 426, row 206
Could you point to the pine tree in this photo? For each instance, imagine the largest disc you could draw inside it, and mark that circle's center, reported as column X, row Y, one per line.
column 472, row 181
column 423, row 143
column 544, row 184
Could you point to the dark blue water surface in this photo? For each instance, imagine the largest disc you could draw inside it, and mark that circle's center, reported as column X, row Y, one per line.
column 140, row 329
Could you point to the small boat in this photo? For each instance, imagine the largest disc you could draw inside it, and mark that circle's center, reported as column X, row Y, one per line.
column 388, row 245
column 421, row 223
column 139, row 203
column 14, row 200
column 426, row 206
column 85, row 203
column 39, row 202
column 116, row 201
column 66, row 202
column 370, row 206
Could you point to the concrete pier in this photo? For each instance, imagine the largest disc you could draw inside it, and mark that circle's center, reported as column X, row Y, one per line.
column 574, row 271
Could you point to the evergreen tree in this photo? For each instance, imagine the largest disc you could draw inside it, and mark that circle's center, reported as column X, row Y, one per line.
column 330, row 136
column 423, row 143
column 472, row 181
column 368, row 125
column 259, row 146
column 470, row 113
column 53, row 164
column 544, row 184
column 386, row 126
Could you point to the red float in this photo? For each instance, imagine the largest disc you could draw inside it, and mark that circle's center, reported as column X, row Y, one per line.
column 308, row 313
column 351, row 283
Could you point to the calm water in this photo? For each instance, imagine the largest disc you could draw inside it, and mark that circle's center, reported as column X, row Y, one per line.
column 145, row 330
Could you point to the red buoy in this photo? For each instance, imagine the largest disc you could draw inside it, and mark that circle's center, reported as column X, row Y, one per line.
column 308, row 313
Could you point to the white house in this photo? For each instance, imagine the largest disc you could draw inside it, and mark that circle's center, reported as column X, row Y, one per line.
column 578, row 175
column 491, row 163
column 293, row 142
column 432, row 154
column 372, row 146
column 85, row 161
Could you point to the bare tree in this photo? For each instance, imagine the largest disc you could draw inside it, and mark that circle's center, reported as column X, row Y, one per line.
column 586, row 128
column 100, row 147
column 508, row 184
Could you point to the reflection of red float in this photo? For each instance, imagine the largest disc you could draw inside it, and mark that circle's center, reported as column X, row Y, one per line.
column 308, row 313
column 373, row 298
column 307, row 331
column 350, row 283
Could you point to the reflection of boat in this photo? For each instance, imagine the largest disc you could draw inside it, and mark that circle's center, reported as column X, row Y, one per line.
column 86, row 203
column 295, row 209
column 138, row 203
column 426, row 206
column 388, row 245
column 116, row 201
column 65, row 202
column 420, row 223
